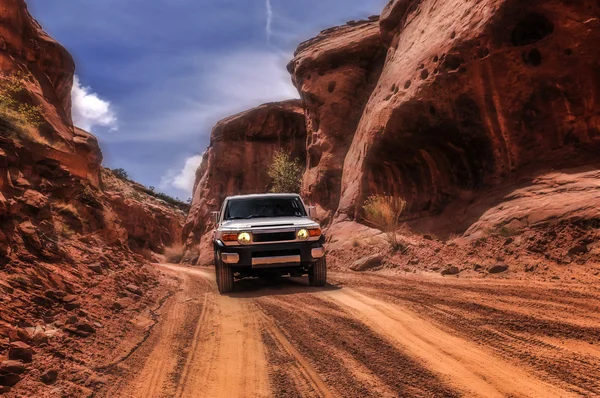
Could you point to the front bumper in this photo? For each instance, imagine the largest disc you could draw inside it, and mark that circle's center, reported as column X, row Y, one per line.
column 272, row 255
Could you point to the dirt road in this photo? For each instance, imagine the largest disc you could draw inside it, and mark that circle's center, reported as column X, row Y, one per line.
column 367, row 336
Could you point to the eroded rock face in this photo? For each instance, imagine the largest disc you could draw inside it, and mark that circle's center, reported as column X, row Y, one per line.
column 468, row 98
column 47, row 70
column 335, row 74
column 479, row 91
column 64, row 253
column 241, row 150
column 150, row 222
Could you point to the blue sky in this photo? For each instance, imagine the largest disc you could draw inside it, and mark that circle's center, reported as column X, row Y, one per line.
column 154, row 76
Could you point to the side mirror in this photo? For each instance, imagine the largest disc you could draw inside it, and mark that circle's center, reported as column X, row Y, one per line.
column 312, row 212
column 215, row 217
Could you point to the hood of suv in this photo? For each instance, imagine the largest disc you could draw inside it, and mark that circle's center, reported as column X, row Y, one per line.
column 272, row 222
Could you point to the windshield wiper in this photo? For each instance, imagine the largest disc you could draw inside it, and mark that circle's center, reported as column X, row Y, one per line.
column 245, row 218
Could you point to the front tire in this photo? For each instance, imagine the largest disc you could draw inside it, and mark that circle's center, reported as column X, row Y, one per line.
column 224, row 275
column 317, row 274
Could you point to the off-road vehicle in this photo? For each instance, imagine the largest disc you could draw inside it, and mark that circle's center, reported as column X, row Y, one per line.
column 267, row 235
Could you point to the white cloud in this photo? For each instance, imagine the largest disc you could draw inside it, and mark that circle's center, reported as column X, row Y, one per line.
column 269, row 27
column 185, row 106
column 184, row 179
column 89, row 110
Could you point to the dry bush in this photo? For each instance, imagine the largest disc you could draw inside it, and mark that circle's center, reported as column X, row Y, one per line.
column 384, row 213
column 18, row 114
column 174, row 254
column 286, row 173
column 66, row 209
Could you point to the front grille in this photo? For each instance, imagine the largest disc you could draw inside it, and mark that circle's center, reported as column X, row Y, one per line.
column 275, row 253
column 271, row 225
column 274, row 237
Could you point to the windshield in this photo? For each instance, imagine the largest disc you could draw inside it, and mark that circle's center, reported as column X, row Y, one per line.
column 264, row 207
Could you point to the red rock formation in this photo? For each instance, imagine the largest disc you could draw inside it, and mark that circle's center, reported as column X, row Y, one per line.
column 241, row 150
column 335, row 74
column 150, row 222
column 65, row 263
column 470, row 95
column 472, row 92
column 48, row 70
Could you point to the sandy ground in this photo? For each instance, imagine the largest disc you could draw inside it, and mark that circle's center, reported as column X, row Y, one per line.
column 367, row 336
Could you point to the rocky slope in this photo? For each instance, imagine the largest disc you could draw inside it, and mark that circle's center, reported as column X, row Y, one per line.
column 240, row 152
column 483, row 115
column 151, row 223
column 69, row 281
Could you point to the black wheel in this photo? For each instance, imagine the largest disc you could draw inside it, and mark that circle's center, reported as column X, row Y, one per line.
column 224, row 275
column 317, row 274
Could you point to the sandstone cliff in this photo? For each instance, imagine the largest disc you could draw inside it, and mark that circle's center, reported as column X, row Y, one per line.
column 151, row 223
column 68, row 278
column 335, row 74
column 471, row 93
column 463, row 108
column 241, row 150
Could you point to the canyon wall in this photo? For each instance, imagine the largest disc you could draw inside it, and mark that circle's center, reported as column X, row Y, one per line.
column 68, row 277
column 335, row 74
column 451, row 105
column 471, row 93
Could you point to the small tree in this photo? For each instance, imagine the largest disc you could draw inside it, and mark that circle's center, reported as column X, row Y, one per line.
column 120, row 173
column 286, row 173
column 384, row 213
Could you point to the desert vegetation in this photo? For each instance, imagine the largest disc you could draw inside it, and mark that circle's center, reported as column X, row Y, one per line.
column 13, row 110
column 383, row 212
column 122, row 174
column 285, row 173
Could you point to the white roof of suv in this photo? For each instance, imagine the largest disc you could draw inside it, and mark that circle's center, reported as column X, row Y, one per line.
column 264, row 195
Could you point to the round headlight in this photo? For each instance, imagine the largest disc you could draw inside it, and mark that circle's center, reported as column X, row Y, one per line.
column 244, row 238
column 302, row 234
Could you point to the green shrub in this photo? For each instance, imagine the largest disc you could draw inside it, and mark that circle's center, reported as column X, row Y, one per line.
column 21, row 115
column 121, row 174
column 185, row 207
column 384, row 213
column 285, row 173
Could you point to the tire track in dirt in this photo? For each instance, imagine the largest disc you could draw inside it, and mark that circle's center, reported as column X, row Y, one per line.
column 349, row 357
column 300, row 366
column 151, row 367
column 300, row 379
column 464, row 365
column 375, row 338
column 522, row 338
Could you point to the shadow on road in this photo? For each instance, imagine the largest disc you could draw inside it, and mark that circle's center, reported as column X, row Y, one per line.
column 257, row 287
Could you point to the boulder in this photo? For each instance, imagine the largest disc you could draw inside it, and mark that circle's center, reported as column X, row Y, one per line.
column 19, row 350
column 49, row 376
column 8, row 380
column 579, row 249
column 34, row 199
column 498, row 268
column 367, row 263
column 96, row 268
column 134, row 289
column 12, row 366
column 85, row 327
column 451, row 270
